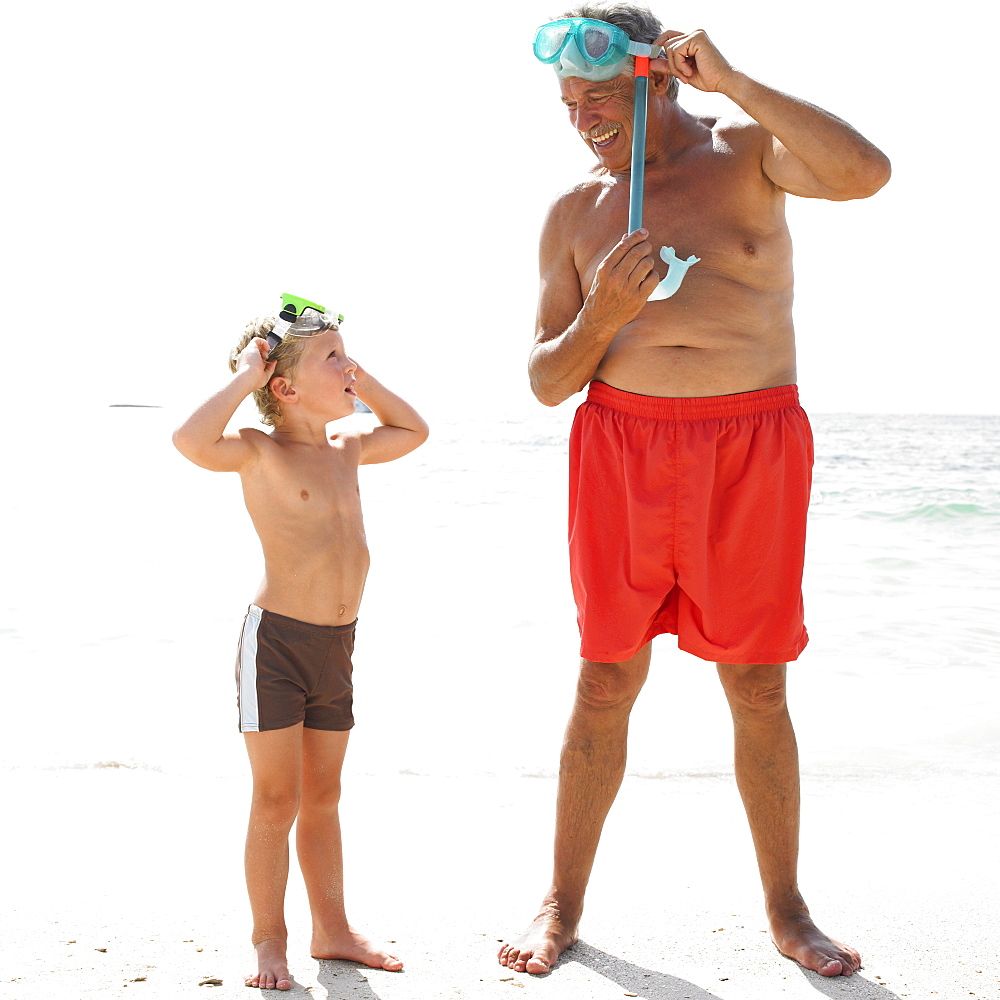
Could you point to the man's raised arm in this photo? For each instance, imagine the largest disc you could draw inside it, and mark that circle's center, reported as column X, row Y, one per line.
column 812, row 153
column 572, row 334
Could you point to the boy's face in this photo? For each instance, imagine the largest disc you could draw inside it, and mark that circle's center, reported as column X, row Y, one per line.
column 324, row 376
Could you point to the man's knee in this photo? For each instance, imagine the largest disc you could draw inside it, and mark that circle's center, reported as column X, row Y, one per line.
column 609, row 685
column 754, row 689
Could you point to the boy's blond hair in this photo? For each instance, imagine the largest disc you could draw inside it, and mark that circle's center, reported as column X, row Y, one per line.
column 286, row 356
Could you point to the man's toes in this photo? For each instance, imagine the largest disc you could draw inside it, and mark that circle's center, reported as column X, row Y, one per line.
column 537, row 966
column 831, row 967
column 251, row 980
column 283, row 984
column 512, row 956
column 502, row 954
column 391, row 964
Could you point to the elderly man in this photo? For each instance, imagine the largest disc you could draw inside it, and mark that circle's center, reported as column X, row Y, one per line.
column 690, row 459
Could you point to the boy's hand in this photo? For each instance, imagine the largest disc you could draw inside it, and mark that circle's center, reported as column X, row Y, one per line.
column 253, row 359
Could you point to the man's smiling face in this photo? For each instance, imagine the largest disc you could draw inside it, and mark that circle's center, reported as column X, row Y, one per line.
column 602, row 115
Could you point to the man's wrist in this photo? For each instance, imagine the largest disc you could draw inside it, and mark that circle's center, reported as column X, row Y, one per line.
column 737, row 86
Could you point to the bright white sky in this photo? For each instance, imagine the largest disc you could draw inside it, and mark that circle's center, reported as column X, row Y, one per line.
column 172, row 168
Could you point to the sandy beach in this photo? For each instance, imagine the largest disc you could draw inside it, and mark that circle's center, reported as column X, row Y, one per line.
column 127, row 883
column 126, row 809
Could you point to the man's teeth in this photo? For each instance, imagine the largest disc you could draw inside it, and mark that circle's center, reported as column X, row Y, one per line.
column 600, row 140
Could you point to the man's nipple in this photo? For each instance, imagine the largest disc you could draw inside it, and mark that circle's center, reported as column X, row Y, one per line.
column 750, row 249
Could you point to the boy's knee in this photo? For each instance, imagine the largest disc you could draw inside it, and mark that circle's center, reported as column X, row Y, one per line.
column 274, row 806
column 320, row 797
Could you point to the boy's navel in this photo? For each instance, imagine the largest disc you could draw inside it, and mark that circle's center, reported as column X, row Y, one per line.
column 304, row 494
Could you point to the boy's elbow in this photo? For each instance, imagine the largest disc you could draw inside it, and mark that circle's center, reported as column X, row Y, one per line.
column 181, row 442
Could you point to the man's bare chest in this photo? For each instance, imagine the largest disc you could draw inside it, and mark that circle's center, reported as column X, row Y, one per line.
column 715, row 209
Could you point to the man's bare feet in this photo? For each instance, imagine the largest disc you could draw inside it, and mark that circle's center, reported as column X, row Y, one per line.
column 272, row 967
column 539, row 947
column 798, row 938
column 353, row 947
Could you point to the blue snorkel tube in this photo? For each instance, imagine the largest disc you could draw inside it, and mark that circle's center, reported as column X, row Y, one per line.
column 676, row 268
column 596, row 50
column 638, row 178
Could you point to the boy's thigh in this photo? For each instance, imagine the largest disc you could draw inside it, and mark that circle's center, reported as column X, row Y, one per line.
column 276, row 755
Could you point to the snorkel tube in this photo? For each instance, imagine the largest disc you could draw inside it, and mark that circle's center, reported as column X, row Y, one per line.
column 676, row 268
column 638, row 178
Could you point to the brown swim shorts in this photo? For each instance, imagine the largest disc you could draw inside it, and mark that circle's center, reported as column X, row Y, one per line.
column 289, row 671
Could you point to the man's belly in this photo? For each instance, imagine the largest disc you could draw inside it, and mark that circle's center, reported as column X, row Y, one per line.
column 662, row 354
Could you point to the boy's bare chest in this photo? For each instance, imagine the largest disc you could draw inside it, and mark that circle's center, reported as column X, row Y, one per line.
column 309, row 489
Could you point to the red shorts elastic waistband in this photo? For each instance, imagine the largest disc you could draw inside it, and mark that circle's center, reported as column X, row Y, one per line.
column 739, row 404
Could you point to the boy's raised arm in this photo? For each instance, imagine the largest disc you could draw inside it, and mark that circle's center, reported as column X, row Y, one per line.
column 202, row 438
column 402, row 428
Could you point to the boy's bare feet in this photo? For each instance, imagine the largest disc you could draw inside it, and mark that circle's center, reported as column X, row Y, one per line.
column 272, row 967
column 353, row 947
column 798, row 938
column 539, row 947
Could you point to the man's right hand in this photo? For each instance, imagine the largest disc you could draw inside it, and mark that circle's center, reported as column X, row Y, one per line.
column 624, row 281
column 253, row 359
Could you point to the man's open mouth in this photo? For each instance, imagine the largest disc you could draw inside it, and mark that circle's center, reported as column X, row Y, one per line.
column 604, row 135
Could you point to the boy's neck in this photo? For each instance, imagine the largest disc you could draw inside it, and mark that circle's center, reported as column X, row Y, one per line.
column 295, row 429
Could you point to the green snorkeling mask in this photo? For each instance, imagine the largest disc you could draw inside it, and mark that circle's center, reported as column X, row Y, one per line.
column 587, row 48
column 300, row 318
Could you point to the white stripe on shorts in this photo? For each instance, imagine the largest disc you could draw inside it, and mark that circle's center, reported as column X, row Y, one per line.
column 249, row 714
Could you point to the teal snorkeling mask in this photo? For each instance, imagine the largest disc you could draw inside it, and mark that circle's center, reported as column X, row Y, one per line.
column 300, row 318
column 586, row 48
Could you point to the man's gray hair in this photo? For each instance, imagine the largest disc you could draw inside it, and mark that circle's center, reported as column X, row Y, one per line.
column 638, row 22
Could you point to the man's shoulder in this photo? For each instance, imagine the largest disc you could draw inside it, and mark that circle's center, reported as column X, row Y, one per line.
column 735, row 131
column 581, row 197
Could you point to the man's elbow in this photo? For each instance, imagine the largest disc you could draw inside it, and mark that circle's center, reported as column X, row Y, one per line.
column 868, row 178
column 546, row 394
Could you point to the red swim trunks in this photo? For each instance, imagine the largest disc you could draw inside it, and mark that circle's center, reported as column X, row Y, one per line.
column 689, row 516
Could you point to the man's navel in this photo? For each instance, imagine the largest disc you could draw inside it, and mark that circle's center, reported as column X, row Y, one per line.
column 304, row 494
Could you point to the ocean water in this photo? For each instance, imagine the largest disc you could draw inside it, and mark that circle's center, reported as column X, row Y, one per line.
column 129, row 571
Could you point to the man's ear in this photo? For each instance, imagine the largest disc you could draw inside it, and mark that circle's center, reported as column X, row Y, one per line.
column 283, row 390
column 659, row 76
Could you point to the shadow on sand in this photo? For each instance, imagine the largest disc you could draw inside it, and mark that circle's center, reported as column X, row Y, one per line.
column 854, row 987
column 647, row 983
column 653, row 985
column 343, row 981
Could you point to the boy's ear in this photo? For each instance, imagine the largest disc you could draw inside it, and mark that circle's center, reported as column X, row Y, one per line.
column 282, row 389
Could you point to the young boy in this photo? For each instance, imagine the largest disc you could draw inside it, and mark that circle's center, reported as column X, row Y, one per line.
column 300, row 485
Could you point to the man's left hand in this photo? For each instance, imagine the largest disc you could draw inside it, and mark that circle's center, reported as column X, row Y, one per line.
column 694, row 59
